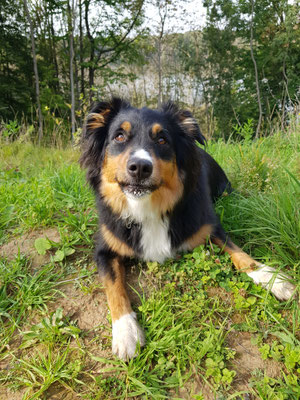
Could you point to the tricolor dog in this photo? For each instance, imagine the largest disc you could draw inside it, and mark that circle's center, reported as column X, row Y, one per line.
column 155, row 189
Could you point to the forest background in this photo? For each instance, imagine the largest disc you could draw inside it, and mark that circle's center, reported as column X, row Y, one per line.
column 237, row 68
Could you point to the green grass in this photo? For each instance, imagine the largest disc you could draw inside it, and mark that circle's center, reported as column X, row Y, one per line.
column 190, row 307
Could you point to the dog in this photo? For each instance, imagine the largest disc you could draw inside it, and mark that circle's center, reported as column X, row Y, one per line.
column 155, row 188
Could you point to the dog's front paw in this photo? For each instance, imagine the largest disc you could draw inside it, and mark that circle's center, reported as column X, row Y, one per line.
column 126, row 334
column 277, row 283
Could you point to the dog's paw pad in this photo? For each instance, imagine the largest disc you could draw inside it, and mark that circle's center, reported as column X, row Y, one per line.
column 127, row 334
column 278, row 283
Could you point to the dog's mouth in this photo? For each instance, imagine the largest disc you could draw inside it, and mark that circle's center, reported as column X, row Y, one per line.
column 137, row 190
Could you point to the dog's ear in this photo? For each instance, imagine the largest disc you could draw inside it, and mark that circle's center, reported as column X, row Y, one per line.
column 190, row 126
column 101, row 115
column 186, row 121
column 94, row 135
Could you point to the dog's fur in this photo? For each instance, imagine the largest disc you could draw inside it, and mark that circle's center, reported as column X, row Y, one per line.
column 155, row 189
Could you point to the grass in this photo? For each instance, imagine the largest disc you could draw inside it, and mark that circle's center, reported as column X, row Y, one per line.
column 55, row 334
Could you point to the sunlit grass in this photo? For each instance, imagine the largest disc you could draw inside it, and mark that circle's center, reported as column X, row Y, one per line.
column 191, row 305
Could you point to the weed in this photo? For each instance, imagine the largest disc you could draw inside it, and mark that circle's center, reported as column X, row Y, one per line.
column 40, row 371
column 11, row 130
column 22, row 291
column 246, row 131
column 52, row 329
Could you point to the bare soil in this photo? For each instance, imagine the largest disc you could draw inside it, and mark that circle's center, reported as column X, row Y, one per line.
column 25, row 245
column 248, row 359
column 7, row 394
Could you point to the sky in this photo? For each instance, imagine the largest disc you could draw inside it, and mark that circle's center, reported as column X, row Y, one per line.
column 190, row 14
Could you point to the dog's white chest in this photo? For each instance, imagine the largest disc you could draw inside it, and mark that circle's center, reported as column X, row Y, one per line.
column 155, row 240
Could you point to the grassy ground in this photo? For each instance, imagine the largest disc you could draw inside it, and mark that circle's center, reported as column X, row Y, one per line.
column 211, row 333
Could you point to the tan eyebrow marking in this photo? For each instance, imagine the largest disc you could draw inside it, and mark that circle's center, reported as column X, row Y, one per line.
column 156, row 128
column 126, row 125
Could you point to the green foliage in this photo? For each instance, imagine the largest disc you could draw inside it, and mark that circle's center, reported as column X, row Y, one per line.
column 22, row 291
column 274, row 389
column 52, row 329
column 209, row 70
column 40, row 371
column 96, row 50
column 192, row 306
column 245, row 132
column 230, row 82
column 263, row 210
column 28, row 199
column 41, row 245
column 10, row 130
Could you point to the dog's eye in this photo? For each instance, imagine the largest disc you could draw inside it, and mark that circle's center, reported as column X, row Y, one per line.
column 120, row 138
column 161, row 141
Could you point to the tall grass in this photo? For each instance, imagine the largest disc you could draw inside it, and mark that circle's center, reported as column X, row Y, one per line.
column 263, row 212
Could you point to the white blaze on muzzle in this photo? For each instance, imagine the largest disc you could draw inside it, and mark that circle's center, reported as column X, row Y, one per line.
column 142, row 154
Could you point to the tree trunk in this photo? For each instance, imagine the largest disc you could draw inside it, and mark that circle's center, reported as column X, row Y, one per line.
column 76, row 77
column 256, row 72
column 92, row 51
column 144, row 85
column 70, row 28
column 162, row 11
column 81, row 49
column 54, row 52
column 159, row 99
column 36, row 74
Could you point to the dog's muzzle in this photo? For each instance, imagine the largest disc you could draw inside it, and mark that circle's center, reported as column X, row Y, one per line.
column 139, row 169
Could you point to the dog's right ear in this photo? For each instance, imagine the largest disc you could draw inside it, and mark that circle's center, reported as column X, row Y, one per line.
column 94, row 135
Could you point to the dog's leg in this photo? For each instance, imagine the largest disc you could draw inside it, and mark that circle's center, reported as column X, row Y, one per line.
column 126, row 332
column 277, row 282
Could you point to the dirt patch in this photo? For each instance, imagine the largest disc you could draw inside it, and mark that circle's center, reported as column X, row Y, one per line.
column 25, row 245
column 58, row 392
column 194, row 387
column 88, row 309
column 226, row 297
column 247, row 359
column 7, row 394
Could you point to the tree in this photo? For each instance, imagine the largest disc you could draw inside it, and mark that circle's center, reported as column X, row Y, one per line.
column 16, row 84
column 106, row 45
column 36, row 73
column 256, row 72
column 250, row 45
column 71, row 46
column 243, row 65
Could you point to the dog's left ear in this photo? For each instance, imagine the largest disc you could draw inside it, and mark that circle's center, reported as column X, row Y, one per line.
column 186, row 122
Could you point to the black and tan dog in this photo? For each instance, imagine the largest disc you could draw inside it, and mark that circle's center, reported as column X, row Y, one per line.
column 155, row 190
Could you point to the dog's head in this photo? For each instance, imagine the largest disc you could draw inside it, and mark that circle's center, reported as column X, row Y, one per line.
column 133, row 153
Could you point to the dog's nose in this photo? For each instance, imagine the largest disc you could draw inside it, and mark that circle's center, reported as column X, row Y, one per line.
column 139, row 168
